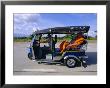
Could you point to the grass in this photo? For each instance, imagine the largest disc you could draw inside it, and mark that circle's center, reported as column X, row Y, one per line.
column 43, row 40
column 22, row 40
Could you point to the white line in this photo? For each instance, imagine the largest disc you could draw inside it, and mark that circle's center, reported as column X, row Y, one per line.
column 40, row 70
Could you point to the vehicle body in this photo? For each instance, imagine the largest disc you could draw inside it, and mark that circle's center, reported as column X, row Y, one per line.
column 72, row 56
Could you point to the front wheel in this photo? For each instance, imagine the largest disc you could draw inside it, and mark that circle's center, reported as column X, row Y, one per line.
column 70, row 62
column 30, row 56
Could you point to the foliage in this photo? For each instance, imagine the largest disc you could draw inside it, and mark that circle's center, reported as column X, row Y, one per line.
column 43, row 40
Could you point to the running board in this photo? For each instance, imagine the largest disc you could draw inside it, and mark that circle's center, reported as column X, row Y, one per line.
column 49, row 62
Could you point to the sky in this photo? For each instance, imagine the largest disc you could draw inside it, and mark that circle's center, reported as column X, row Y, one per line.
column 26, row 24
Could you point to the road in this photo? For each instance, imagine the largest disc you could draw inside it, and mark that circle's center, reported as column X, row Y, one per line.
column 23, row 66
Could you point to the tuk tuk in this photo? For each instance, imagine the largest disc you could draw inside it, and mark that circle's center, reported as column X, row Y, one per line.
column 69, row 48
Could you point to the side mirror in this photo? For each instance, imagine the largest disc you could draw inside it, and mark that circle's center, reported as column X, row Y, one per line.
column 55, row 38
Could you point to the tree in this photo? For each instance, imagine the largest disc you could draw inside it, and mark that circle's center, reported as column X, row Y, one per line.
column 96, row 34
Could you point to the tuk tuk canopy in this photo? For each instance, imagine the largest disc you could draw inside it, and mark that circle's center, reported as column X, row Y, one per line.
column 64, row 30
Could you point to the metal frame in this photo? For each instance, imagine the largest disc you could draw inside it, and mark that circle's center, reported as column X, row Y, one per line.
column 4, row 3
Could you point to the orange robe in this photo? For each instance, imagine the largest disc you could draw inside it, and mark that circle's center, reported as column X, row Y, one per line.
column 66, row 45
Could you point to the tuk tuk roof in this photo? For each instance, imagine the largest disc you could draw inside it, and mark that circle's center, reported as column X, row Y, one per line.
column 64, row 30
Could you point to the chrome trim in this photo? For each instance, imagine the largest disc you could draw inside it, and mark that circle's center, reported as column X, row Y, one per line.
column 71, row 56
column 83, row 56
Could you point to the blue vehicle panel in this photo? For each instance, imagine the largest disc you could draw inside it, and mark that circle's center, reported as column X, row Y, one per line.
column 74, row 53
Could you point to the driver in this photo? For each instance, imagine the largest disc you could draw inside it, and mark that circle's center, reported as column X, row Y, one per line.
column 36, row 46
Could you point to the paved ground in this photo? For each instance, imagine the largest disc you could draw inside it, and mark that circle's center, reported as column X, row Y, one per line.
column 24, row 66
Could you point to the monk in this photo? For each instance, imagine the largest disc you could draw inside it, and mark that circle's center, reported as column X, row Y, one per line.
column 73, row 44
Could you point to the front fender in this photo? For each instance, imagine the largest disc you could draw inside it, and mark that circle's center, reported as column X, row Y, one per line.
column 29, row 52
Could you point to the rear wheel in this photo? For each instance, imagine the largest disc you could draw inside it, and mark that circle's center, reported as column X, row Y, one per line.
column 84, row 64
column 70, row 62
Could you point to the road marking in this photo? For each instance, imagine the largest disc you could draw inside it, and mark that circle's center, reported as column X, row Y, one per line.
column 39, row 70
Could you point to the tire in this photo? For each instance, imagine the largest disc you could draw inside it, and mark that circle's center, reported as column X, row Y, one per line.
column 70, row 62
column 84, row 64
column 30, row 56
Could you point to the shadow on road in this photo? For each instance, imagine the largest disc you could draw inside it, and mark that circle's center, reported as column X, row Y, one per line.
column 92, row 58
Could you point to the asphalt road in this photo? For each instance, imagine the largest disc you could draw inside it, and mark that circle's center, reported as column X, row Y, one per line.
column 24, row 66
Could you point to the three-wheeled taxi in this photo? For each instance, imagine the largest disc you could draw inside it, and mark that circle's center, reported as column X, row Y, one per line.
column 60, row 45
